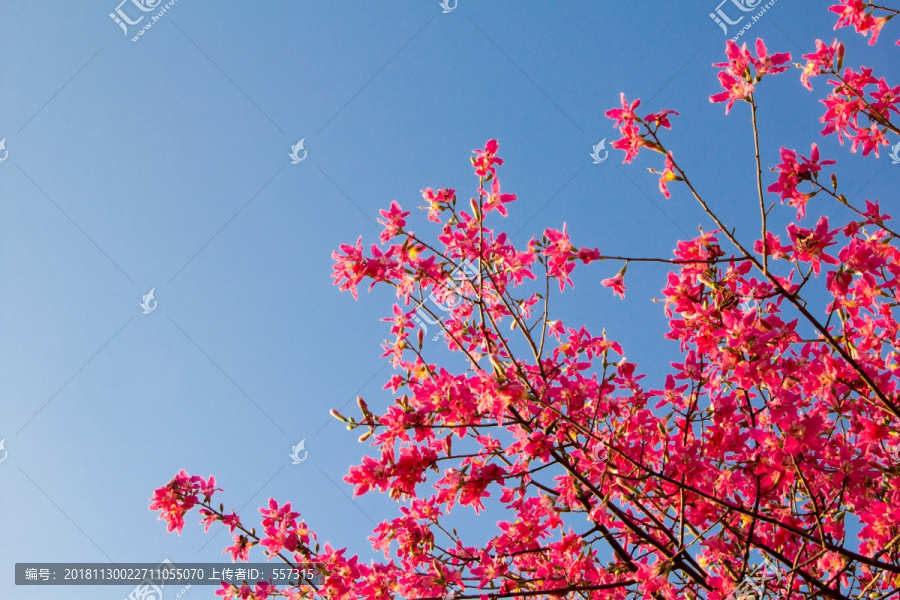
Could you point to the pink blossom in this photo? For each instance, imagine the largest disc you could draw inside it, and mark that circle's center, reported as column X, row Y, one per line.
column 625, row 115
column 495, row 200
column 438, row 202
column 485, row 160
column 742, row 71
column 617, row 283
column 820, row 61
column 793, row 170
column 858, row 14
column 240, row 549
column 179, row 496
column 394, row 221
column 668, row 174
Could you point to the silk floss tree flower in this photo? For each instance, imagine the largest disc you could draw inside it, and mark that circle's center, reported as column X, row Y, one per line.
column 770, row 434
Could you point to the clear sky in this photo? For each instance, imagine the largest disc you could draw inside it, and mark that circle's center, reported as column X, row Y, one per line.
column 164, row 164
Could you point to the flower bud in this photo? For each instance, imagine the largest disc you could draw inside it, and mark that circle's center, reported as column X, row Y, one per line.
column 840, row 55
column 334, row 413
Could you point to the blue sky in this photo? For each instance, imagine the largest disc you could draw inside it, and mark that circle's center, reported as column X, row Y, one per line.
column 163, row 164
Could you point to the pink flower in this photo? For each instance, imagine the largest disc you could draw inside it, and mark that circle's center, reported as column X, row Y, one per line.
column 821, row 61
column 737, row 77
column 661, row 118
column 349, row 267
column 736, row 88
column 559, row 252
column 625, row 118
column 810, row 244
column 280, row 526
column 179, row 496
column 792, row 171
column 630, row 142
column 625, row 114
column 617, row 283
column 885, row 98
column 587, row 255
column 668, row 174
column 766, row 64
column 438, row 202
column 772, row 247
column 869, row 138
column 372, row 473
column 857, row 14
column 240, row 549
column 394, row 220
column 496, row 200
column 485, row 160
column 845, row 105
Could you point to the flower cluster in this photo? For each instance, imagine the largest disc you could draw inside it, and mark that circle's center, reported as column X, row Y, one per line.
column 861, row 15
column 793, row 170
column 743, row 71
column 638, row 133
column 180, row 495
column 826, row 59
column 859, row 96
